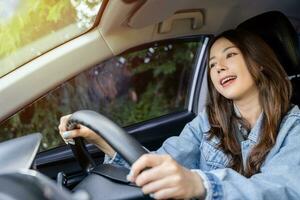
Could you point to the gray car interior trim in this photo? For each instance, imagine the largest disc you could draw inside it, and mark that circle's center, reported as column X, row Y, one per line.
column 196, row 75
column 19, row 153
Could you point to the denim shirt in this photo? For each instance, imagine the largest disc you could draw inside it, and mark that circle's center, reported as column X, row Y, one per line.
column 279, row 176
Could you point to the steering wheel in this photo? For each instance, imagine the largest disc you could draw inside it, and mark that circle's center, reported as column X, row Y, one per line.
column 124, row 144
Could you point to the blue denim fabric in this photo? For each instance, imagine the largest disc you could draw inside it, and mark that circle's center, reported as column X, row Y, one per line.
column 280, row 173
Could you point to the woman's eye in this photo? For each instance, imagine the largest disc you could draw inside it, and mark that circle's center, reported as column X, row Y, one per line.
column 229, row 55
column 212, row 65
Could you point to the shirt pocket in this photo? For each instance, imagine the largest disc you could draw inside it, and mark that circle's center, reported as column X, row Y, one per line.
column 214, row 157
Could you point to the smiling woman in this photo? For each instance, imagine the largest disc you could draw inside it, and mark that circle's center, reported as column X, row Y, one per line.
column 30, row 28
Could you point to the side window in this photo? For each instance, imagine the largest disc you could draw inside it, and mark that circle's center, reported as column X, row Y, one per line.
column 138, row 85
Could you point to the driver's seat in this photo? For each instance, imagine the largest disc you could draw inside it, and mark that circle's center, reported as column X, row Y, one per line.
column 278, row 32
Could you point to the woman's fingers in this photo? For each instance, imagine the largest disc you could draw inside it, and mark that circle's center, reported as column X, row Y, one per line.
column 159, row 184
column 62, row 127
column 154, row 173
column 167, row 193
column 144, row 162
column 71, row 134
column 79, row 131
column 68, row 135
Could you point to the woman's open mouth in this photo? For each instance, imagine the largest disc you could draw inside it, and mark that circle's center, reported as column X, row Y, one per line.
column 227, row 80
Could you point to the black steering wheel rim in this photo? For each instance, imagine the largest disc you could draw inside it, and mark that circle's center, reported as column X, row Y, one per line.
column 124, row 144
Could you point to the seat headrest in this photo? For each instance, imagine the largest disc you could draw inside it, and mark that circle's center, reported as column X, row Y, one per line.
column 277, row 31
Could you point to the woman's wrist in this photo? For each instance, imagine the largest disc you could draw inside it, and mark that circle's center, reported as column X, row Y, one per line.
column 107, row 149
column 199, row 190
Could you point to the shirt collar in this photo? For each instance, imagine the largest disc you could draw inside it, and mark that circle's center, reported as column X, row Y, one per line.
column 255, row 131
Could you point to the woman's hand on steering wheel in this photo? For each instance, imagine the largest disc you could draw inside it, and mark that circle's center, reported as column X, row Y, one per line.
column 84, row 132
column 163, row 178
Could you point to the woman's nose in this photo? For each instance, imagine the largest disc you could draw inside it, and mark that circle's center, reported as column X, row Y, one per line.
column 221, row 67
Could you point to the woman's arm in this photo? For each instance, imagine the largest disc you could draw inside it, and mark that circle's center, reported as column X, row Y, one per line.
column 183, row 148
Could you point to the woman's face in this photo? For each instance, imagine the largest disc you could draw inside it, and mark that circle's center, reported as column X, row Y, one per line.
column 228, row 71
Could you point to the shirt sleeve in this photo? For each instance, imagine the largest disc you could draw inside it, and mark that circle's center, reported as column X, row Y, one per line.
column 116, row 160
column 211, row 184
column 185, row 148
column 278, row 179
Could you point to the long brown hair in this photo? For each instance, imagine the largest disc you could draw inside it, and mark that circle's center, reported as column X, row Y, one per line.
column 274, row 97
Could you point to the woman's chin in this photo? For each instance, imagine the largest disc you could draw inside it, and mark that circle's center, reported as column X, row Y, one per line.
column 231, row 96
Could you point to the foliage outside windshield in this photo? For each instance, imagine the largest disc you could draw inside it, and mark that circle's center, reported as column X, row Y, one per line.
column 28, row 28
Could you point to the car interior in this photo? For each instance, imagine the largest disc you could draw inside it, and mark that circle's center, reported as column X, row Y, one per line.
column 76, row 172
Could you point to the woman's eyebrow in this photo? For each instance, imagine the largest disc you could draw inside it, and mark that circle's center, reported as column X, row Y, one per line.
column 228, row 48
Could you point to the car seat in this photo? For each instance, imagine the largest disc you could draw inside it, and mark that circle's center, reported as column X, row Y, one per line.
column 278, row 32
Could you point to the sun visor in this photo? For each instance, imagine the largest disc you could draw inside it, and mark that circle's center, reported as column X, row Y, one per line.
column 155, row 11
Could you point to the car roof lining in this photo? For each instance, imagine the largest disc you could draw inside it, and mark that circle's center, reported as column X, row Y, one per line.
column 125, row 25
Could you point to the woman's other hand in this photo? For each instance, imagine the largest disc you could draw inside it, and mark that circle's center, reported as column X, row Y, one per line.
column 82, row 131
column 164, row 178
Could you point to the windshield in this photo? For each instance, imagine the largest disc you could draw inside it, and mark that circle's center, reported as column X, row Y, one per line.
column 28, row 28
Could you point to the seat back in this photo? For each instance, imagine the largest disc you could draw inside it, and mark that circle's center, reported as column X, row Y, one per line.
column 277, row 31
